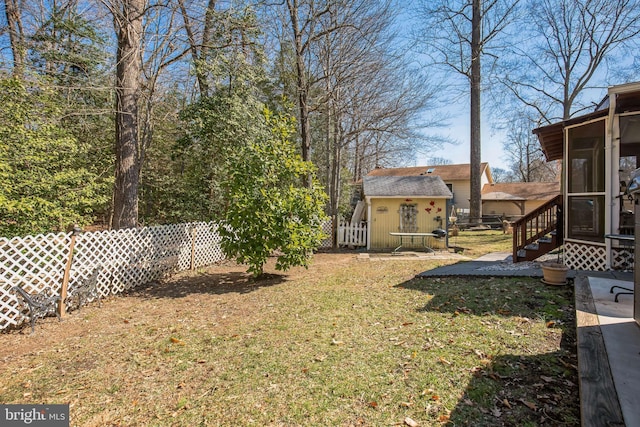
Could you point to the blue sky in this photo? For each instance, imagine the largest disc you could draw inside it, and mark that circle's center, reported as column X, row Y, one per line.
column 458, row 131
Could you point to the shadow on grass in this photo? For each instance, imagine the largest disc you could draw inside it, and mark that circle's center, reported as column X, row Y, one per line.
column 513, row 389
column 208, row 283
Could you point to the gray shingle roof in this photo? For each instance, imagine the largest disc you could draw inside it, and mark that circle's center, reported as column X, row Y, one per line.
column 405, row 186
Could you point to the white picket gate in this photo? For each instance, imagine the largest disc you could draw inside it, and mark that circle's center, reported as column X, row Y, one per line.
column 352, row 234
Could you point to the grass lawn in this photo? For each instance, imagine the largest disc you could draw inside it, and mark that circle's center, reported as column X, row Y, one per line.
column 476, row 243
column 347, row 342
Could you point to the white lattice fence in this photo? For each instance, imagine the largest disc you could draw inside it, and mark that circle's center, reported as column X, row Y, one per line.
column 207, row 245
column 623, row 258
column 327, row 227
column 125, row 259
column 580, row 256
column 33, row 263
column 131, row 257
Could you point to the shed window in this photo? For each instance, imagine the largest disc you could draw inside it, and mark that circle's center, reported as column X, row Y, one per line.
column 408, row 218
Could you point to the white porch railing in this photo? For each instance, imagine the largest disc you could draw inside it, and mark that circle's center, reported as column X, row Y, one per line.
column 352, row 234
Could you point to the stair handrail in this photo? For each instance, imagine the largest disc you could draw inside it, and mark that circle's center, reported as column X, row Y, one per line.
column 536, row 224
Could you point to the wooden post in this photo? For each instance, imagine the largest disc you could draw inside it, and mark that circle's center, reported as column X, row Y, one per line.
column 67, row 270
column 194, row 231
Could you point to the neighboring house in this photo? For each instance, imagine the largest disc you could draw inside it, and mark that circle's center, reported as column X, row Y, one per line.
column 410, row 204
column 456, row 177
column 598, row 151
column 512, row 200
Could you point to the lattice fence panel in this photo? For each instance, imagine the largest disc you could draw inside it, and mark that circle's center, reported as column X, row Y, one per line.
column 580, row 256
column 130, row 257
column 327, row 227
column 34, row 263
column 125, row 259
column 623, row 258
column 207, row 244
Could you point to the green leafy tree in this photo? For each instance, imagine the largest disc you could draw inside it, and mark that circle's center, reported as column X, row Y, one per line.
column 43, row 183
column 214, row 125
column 70, row 52
column 269, row 209
column 185, row 164
column 169, row 194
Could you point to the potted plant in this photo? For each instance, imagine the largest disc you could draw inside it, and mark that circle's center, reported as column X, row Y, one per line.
column 554, row 272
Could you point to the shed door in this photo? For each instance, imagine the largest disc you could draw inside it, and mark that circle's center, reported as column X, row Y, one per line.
column 408, row 218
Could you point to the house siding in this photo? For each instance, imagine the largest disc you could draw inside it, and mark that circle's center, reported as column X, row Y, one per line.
column 385, row 219
column 461, row 193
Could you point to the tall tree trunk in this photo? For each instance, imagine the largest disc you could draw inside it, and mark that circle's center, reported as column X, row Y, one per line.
column 336, row 160
column 475, row 205
column 357, row 161
column 16, row 36
column 301, row 81
column 128, row 25
column 199, row 52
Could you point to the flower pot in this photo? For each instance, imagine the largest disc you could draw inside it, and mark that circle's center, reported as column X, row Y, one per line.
column 554, row 273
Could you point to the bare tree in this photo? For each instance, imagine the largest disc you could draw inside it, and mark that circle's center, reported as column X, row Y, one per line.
column 371, row 99
column 304, row 20
column 358, row 100
column 127, row 19
column 523, row 151
column 16, row 36
column 501, row 175
column 457, row 35
column 163, row 49
column 475, row 141
column 146, row 47
column 198, row 41
column 435, row 161
column 566, row 44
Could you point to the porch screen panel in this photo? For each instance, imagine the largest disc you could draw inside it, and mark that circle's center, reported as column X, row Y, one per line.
column 629, row 161
column 586, row 158
column 586, row 182
column 586, row 218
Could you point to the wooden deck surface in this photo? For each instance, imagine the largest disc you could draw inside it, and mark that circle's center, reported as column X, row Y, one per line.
column 599, row 405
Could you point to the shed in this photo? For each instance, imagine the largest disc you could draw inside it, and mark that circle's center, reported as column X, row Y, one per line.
column 409, row 204
column 457, row 177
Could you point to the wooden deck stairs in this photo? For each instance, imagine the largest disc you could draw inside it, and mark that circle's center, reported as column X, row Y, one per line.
column 539, row 232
